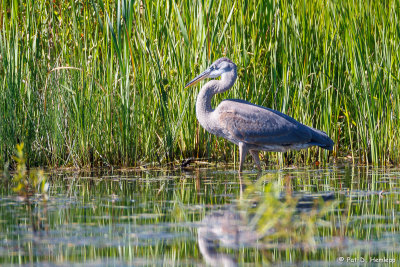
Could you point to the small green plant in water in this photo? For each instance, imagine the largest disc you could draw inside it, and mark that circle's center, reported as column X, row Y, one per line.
column 278, row 218
column 28, row 184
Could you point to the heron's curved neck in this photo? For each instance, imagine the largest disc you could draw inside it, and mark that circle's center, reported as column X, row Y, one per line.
column 203, row 103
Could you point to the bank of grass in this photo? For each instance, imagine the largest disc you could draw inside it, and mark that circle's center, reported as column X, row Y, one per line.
column 102, row 83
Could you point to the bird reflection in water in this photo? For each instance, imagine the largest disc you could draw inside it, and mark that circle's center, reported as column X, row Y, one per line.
column 233, row 229
column 230, row 230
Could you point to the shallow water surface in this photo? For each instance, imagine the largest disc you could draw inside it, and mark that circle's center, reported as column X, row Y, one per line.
column 325, row 216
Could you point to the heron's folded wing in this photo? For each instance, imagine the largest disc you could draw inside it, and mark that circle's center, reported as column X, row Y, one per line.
column 257, row 125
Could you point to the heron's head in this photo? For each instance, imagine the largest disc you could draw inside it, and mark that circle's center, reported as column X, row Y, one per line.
column 219, row 67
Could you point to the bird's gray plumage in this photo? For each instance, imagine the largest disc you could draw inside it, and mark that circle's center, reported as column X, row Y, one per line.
column 251, row 127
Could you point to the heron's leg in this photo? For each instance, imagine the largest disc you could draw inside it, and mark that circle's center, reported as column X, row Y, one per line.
column 254, row 154
column 240, row 186
column 242, row 154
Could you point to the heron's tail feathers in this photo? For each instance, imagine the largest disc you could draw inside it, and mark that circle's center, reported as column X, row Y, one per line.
column 321, row 139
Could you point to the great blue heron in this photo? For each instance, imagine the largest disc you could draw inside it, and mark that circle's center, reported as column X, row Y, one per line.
column 251, row 127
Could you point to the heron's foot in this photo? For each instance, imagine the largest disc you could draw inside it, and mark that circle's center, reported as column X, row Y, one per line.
column 254, row 154
column 258, row 167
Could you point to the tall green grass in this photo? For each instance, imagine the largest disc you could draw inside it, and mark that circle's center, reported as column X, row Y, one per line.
column 101, row 83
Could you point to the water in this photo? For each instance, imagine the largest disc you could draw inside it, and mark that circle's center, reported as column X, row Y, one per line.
column 301, row 216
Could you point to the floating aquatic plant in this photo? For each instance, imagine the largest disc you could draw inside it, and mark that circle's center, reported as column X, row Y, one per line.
column 278, row 217
column 27, row 183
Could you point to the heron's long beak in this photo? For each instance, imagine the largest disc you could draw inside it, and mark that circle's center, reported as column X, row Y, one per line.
column 200, row 77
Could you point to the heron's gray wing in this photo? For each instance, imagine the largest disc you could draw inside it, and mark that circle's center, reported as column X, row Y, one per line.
column 257, row 125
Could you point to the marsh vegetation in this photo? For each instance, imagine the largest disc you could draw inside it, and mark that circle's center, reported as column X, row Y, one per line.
column 101, row 83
